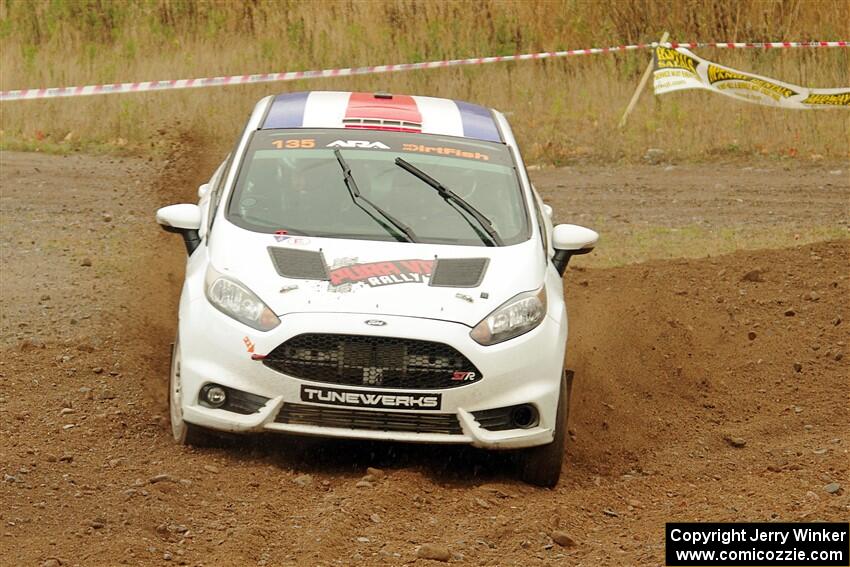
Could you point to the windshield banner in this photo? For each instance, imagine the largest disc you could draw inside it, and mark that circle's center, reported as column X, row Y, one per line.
column 679, row 69
column 392, row 142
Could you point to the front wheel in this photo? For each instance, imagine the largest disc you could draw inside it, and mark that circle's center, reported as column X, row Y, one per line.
column 184, row 433
column 541, row 465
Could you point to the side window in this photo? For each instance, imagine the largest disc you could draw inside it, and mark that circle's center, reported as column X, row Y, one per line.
column 541, row 224
column 217, row 190
column 538, row 213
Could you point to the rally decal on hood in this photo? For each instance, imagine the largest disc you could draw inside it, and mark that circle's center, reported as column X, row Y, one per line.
column 347, row 273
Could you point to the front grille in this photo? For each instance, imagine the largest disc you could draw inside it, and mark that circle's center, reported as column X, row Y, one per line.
column 303, row 414
column 380, row 362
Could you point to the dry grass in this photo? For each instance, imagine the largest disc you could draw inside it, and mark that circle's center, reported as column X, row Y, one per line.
column 621, row 247
column 562, row 110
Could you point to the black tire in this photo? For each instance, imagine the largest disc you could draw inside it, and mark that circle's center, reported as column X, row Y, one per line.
column 541, row 466
column 185, row 433
column 197, row 436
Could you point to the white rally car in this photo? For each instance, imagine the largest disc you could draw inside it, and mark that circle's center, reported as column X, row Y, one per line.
column 375, row 266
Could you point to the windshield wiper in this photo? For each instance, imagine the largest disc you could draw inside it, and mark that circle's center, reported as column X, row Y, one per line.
column 354, row 191
column 450, row 195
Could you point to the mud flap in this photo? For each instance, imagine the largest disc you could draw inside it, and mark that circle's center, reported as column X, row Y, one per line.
column 171, row 367
column 568, row 376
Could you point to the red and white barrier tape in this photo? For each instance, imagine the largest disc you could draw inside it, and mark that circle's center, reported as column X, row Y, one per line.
column 30, row 94
column 751, row 45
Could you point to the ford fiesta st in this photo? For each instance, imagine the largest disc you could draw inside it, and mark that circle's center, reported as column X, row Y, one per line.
column 375, row 266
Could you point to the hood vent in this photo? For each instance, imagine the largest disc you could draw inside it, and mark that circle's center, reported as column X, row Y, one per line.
column 459, row 272
column 299, row 264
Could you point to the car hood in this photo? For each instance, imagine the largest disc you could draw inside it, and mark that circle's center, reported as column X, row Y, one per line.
column 376, row 277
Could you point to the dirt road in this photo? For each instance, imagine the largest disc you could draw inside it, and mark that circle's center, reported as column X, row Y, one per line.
column 708, row 389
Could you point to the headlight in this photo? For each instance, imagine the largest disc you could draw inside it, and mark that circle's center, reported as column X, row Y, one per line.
column 516, row 316
column 237, row 301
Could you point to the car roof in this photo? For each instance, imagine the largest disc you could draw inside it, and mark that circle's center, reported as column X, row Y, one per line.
column 381, row 111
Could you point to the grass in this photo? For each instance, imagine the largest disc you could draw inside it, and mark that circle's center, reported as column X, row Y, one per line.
column 562, row 111
column 620, row 247
column 47, row 146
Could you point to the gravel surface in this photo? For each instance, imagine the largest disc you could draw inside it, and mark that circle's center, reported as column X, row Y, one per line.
column 701, row 393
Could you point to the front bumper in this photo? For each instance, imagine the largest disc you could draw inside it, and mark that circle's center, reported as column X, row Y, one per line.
column 524, row 370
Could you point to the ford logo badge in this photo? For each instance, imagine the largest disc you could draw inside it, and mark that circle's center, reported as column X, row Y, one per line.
column 375, row 322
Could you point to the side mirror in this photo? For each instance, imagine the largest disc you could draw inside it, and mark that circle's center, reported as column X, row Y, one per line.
column 184, row 220
column 570, row 240
column 203, row 190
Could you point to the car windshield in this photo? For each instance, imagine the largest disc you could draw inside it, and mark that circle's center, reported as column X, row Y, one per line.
column 291, row 180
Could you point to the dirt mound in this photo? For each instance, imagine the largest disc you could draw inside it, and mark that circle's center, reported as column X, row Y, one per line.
column 687, row 351
column 711, row 389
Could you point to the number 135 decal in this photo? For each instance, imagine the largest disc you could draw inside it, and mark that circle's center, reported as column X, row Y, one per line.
column 294, row 144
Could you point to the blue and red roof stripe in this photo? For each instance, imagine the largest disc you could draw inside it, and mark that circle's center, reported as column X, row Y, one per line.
column 288, row 110
column 478, row 122
column 363, row 107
